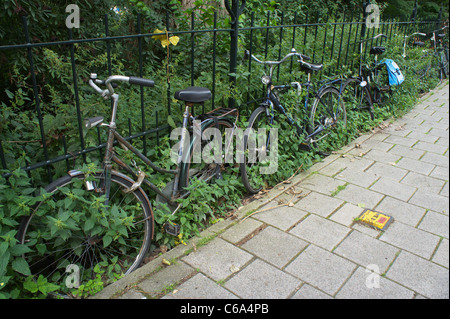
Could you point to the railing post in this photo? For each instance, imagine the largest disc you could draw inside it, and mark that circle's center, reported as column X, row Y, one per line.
column 235, row 10
column 363, row 28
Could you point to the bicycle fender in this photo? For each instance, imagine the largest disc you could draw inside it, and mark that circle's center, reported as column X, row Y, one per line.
column 77, row 173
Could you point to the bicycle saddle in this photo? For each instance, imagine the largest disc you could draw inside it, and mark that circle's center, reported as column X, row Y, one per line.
column 377, row 50
column 419, row 43
column 312, row 66
column 193, row 94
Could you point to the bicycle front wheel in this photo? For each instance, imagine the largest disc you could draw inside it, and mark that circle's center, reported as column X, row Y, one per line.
column 328, row 119
column 76, row 237
column 256, row 151
column 443, row 74
column 356, row 95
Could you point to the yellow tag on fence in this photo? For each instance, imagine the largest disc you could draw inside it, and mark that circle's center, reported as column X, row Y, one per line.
column 375, row 219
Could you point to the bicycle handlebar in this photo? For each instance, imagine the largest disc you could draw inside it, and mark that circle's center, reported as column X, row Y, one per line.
column 110, row 85
column 416, row 33
column 293, row 53
column 443, row 28
column 375, row 37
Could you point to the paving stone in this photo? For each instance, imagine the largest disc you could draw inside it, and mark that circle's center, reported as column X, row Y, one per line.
column 394, row 189
column 425, row 183
column 434, row 148
column 346, row 214
column 359, row 178
column 405, row 141
column 133, row 294
column 387, row 170
column 431, row 201
column 330, row 233
column 308, row 292
column 319, row 204
column 281, row 217
column 441, row 173
column 423, row 136
column 403, row 212
column 435, row 159
column 165, row 277
column 275, row 246
column 415, row 166
column 443, row 141
column 360, row 196
column 398, row 128
column 260, row 280
column 375, row 145
column 200, row 287
column 365, row 284
column 407, row 152
column 321, row 184
column 382, row 157
column 420, row 275
column 439, row 132
column 411, row 239
column 441, row 255
column 435, row 223
column 241, row 230
column 218, row 259
column 365, row 250
column 321, row 269
column 445, row 190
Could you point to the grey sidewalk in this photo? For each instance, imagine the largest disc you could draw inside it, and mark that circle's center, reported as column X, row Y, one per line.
column 312, row 248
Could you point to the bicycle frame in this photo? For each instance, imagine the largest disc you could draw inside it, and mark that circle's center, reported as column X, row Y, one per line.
column 365, row 76
column 114, row 137
column 272, row 100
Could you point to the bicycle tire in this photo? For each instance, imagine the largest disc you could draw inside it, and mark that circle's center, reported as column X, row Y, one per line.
column 250, row 171
column 203, row 171
column 443, row 66
column 328, row 110
column 63, row 230
column 423, row 66
column 355, row 94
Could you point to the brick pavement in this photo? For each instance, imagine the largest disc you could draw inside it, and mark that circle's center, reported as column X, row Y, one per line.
column 314, row 248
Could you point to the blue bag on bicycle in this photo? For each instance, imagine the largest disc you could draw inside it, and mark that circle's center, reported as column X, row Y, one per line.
column 395, row 75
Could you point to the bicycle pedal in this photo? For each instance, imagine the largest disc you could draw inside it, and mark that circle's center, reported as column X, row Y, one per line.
column 172, row 229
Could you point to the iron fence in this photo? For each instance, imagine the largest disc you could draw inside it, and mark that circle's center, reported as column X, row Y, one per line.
column 327, row 39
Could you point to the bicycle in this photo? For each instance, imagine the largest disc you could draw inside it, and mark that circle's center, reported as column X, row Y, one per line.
column 371, row 83
column 98, row 222
column 440, row 53
column 326, row 114
column 419, row 70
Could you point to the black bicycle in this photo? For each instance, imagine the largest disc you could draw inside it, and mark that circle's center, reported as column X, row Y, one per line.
column 326, row 114
column 372, row 83
column 440, row 52
column 99, row 220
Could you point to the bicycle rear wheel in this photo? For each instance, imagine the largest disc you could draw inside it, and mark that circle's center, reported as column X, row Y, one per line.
column 356, row 96
column 75, row 237
column 328, row 119
column 197, row 168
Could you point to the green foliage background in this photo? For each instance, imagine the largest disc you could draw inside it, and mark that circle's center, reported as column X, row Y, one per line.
column 20, row 130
